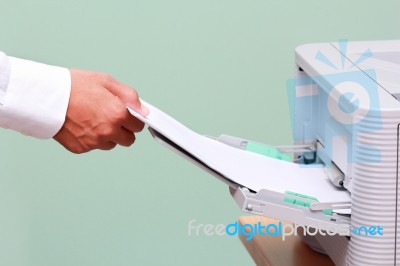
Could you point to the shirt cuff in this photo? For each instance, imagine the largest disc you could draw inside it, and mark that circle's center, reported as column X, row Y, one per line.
column 36, row 98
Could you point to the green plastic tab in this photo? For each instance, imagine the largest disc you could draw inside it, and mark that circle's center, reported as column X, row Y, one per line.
column 300, row 195
column 267, row 151
column 303, row 203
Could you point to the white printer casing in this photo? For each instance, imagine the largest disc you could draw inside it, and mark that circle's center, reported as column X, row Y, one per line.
column 363, row 143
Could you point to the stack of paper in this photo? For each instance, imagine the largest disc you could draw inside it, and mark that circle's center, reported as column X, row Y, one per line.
column 247, row 169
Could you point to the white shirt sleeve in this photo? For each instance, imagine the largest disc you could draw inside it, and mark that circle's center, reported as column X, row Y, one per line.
column 33, row 96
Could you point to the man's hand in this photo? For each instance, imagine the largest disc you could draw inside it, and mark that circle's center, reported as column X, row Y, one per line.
column 97, row 117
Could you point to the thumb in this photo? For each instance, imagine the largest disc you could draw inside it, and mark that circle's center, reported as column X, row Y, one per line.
column 128, row 96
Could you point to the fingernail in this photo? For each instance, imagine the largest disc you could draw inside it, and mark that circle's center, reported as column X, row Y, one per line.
column 144, row 110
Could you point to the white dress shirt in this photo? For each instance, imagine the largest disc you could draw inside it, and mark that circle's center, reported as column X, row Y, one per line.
column 33, row 96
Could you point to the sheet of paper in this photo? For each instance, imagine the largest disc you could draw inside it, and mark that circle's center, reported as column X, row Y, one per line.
column 249, row 169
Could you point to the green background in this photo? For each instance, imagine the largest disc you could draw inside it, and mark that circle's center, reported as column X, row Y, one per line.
column 217, row 66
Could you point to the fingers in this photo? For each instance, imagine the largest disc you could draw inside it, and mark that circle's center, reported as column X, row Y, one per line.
column 107, row 146
column 120, row 127
column 131, row 123
column 127, row 95
column 125, row 138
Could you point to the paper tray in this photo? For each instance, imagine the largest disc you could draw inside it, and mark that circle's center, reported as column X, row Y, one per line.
column 240, row 168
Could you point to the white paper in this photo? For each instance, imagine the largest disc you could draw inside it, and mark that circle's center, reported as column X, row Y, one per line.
column 249, row 169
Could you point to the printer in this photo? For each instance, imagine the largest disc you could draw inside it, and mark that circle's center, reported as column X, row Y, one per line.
column 341, row 175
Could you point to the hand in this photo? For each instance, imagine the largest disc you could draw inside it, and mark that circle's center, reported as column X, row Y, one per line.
column 97, row 117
